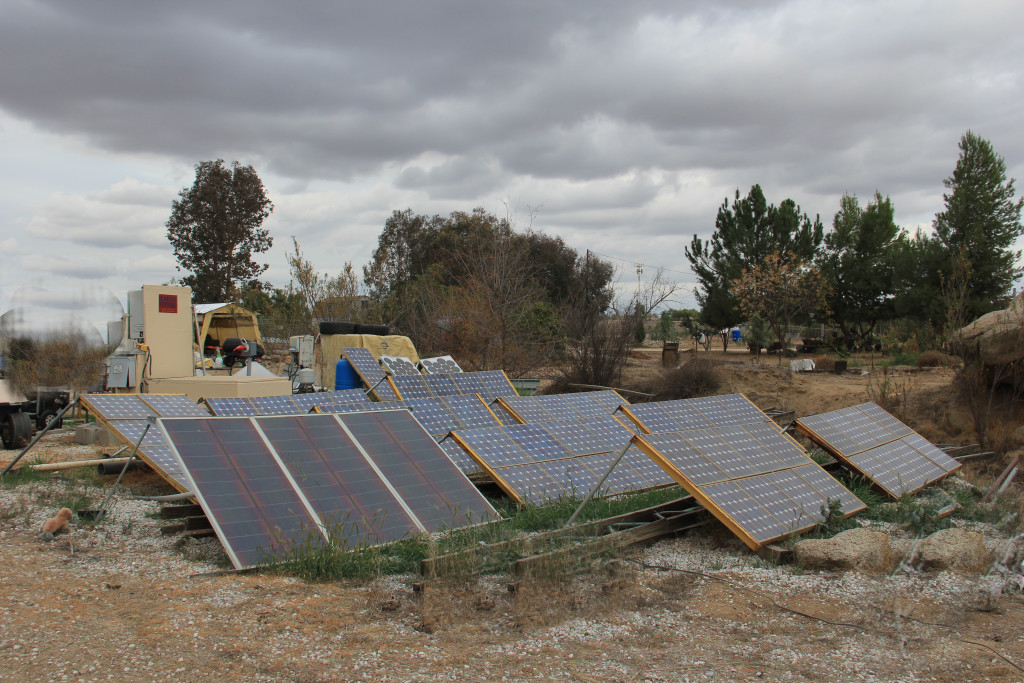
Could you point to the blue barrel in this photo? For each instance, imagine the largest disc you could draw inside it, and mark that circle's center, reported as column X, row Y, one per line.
column 736, row 334
column 345, row 376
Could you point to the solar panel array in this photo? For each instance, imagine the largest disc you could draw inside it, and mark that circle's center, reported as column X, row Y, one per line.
column 288, row 404
column 270, row 483
column 876, row 445
column 695, row 413
column 125, row 415
column 560, row 407
column 369, row 370
column 440, row 365
column 753, row 478
column 399, row 365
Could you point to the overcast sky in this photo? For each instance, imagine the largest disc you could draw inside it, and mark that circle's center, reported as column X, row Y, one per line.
column 621, row 126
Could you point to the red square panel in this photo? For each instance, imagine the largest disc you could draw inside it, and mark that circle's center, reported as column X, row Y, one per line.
column 168, row 303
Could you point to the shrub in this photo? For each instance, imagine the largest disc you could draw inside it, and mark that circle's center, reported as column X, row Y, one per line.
column 934, row 359
column 697, row 377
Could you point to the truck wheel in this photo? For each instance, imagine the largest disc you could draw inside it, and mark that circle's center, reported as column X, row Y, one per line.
column 17, row 430
column 45, row 418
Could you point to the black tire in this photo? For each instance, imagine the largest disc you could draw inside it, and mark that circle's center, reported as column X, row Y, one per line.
column 46, row 417
column 380, row 330
column 17, row 430
column 335, row 327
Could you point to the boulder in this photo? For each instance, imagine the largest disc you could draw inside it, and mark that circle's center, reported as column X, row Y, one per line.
column 996, row 336
column 861, row 550
column 954, row 550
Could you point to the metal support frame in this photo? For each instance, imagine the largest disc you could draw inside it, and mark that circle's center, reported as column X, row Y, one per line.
column 150, row 421
column 597, row 486
column 53, row 423
column 377, row 384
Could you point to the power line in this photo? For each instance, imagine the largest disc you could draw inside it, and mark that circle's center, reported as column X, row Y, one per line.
column 642, row 265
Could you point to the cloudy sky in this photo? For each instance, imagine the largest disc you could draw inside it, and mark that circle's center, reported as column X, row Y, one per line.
column 620, row 126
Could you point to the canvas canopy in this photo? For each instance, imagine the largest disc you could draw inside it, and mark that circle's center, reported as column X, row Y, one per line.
column 331, row 345
column 222, row 321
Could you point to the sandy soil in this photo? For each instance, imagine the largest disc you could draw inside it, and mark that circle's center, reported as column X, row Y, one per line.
column 122, row 602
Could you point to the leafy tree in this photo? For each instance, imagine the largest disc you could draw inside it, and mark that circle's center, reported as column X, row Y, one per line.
column 779, row 290
column 215, row 230
column 745, row 234
column 665, row 330
column 859, row 262
column 981, row 221
column 921, row 264
column 325, row 297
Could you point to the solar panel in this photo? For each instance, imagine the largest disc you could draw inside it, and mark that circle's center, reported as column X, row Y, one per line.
column 440, row 365
column 399, row 365
column 370, row 372
column 470, row 411
column 230, row 407
column 753, row 478
column 715, row 411
column 576, row 437
column 537, row 442
column 354, row 503
column 118, row 406
column 609, row 430
column 530, row 483
column 457, row 454
column 275, row 405
column 154, row 450
column 526, row 409
column 341, row 396
column 418, row 471
column 469, row 383
column 558, row 407
column 875, row 444
column 169, row 405
column 607, row 399
column 434, row 415
column 497, row 383
column 250, row 502
column 651, row 417
column 441, row 385
column 684, row 414
column 492, row 447
column 623, row 479
column 410, row 387
column 586, row 406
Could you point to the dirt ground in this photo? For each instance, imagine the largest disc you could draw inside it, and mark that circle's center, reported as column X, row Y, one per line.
column 121, row 601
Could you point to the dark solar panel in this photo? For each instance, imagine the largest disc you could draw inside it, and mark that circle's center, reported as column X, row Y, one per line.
column 248, row 499
column 623, row 479
column 354, row 503
column 231, row 407
column 609, row 430
column 826, row 485
column 305, row 402
column 167, row 405
column 441, row 385
column 744, row 511
column 607, row 399
column 574, row 477
column 685, row 415
column 399, row 365
column 429, row 483
column 715, row 449
column 410, row 387
column 154, row 449
column 470, row 411
column 715, row 411
column 441, row 365
column 118, row 406
column 928, row 450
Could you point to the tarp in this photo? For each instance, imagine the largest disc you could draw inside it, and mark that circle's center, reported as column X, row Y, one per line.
column 221, row 321
column 329, row 351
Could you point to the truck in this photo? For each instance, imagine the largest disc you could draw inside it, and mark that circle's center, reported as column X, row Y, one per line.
column 21, row 414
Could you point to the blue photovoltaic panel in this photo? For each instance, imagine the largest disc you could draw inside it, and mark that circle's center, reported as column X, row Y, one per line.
column 715, row 411
column 686, row 458
column 623, row 479
column 470, row 411
column 576, row 437
column 252, row 505
column 609, row 430
column 573, row 476
column 418, row 470
column 586, row 406
column 878, row 446
column 560, row 409
column 825, row 484
column 168, row 405
column 352, row 501
column 360, row 407
column 458, row 455
column 370, row 371
column 305, row 402
column 410, row 387
column 441, row 385
column 154, row 449
column 760, row 524
column 118, row 406
column 469, row 383
column 496, row 383
column 647, row 468
column 608, row 399
column 654, row 419
column 531, row 483
column 537, row 442
column 231, row 407
column 715, row 449
column 494, row 447
column 684, row 414
column 528, row 409
column 275, row 405
column 434, row 415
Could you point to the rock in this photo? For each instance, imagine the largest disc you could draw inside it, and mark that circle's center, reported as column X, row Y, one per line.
column 801, row 365
column 861, row 550
column 953, row 549
column 996, row 336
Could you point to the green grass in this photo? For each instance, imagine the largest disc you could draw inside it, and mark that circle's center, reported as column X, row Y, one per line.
column 313, row 561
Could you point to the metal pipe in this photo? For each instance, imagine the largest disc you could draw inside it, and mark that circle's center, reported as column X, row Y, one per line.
column 150, row 421
column 598, row 485
column 168, row 498
column 53, row 423
column 598, row 386
column 115, row 466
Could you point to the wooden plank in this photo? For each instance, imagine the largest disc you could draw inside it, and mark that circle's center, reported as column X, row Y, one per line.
column 570, row 558
column 469, row 560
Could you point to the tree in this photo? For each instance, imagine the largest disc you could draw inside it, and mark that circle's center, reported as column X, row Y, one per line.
column 745, row 234
column 859, row 261
column 215, row 230
column 779, row 290
column 326, row 297
column 981, row 220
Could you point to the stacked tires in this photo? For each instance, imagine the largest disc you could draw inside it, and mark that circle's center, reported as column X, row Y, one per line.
column 336, row 327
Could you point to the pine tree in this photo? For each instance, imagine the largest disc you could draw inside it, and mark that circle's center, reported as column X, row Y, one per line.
column 982, row 221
